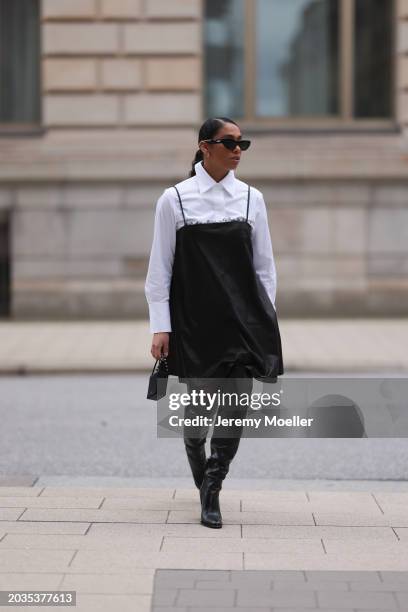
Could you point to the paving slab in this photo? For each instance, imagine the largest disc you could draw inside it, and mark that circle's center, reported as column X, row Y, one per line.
column 109, row 603
column 208, row 598
column 50, row 502
column 320, row 531
column 212, row 545
column 35, row 581
column 138, row 581
column 286, row 598
column 335, row 576
column 11, row 514
column 364, row 546
column 112, row 556
column 282, row 506
column 366, row 601
column 75, row 514
column 267, row 561
column 131, row 530
column 48, row 527
column 100, row 491
column 162, row 504
column 389, row 586
column 357, row 519
column 81, row 542
column 266, row 495
column 167, row 578
column 18, row 491
column 89, row 560
column 247, row 518
column 278, row 590
column 15, row 560
column 391, row 498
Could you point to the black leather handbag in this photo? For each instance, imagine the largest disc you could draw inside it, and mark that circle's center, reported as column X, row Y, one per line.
column 160, row 370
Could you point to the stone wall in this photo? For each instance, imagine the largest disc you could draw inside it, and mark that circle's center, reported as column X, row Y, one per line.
column 79, row 250
column 121, row 63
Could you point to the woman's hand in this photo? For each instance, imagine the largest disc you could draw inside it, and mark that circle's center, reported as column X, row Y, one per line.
column 160, row 345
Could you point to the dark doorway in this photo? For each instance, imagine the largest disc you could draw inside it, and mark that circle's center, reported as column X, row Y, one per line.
column 5, row 276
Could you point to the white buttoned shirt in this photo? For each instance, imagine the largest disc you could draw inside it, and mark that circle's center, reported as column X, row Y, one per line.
column 204, row 201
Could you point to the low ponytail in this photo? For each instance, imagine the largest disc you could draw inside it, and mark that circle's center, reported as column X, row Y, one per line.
column 198, row 157
column 207, row 131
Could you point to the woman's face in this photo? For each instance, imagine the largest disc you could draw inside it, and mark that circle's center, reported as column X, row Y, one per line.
column 218, row 156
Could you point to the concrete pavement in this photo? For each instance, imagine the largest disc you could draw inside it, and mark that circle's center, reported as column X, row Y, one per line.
column 107, row 542
column 294, row 546
column 321, row 345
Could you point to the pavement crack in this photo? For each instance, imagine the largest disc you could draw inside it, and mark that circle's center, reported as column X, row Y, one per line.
column 73, row 557
column 101, row 504
column 377, row 502
column 396, row 534
column 87, row 529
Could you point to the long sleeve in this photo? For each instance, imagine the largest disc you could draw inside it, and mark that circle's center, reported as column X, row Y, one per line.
column 158, row 279
column 264, row 262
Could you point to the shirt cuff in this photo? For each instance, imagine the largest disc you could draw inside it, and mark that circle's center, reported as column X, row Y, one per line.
column 159, row 313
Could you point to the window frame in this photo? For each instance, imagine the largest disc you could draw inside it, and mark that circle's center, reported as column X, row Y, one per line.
column 344, row 121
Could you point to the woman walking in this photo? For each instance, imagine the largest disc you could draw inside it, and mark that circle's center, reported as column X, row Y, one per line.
column 211, row 287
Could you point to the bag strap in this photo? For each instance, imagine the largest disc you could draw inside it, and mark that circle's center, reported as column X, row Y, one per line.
column 161, row 359
column 154, row 365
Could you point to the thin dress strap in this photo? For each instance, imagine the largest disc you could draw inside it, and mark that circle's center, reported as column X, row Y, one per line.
column 247, row 205
column 181, row 206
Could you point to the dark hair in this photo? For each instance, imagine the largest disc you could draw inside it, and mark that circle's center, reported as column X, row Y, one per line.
column 208, row 130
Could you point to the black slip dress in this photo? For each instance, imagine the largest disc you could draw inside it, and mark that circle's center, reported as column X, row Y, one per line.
column 220, row 312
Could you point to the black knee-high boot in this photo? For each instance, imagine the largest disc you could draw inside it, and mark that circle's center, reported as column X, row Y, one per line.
column 223, row 448
column 195, row 449
column 217, row 467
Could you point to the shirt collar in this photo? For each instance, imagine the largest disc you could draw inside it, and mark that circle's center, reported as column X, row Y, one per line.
column 205, row 181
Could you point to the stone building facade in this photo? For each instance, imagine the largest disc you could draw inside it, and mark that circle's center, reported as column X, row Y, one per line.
column 122, row 90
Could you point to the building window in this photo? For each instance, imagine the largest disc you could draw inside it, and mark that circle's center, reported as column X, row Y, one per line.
column 224, row 65
column 373, row 58
column 20, row 100
column 280, row 61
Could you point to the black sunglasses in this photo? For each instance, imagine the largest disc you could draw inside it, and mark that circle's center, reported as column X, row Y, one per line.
column 230, row 143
